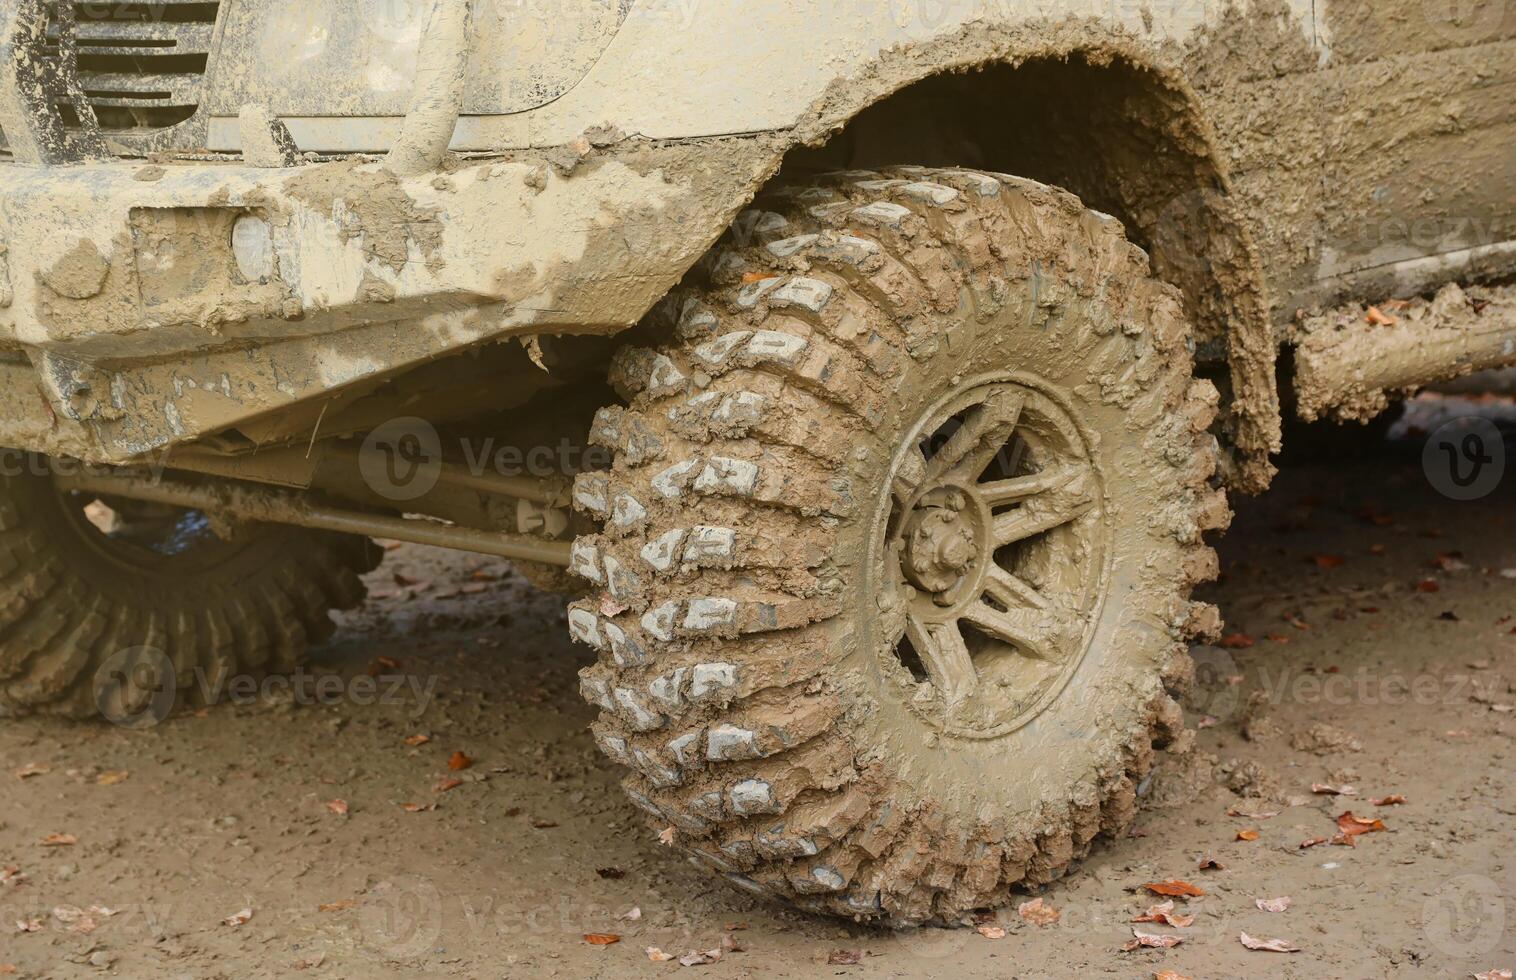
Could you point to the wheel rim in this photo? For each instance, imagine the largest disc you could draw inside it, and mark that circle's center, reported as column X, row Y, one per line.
column 147, row 537
column 990, row 543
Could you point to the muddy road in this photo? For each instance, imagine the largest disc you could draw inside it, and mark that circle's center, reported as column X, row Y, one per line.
column 428, row 800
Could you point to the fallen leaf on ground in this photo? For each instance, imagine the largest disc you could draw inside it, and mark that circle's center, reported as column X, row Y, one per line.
column 1277, row 637
column 1313, row 842
column 28, row 925
column 1327, row 789
column 1327, row 561
column 29, row 770
column 418, row 807
column 418, row 740
column 1296, row 621
column 112, row 777
column 447, row 783
column 1163, row 914
column 1379, row 318
column 1394, row 799
column 1169, row 975
column 238, row 918
column 1237, row 641
column 342, row 906
column 458, row 762
column 657, row 955
column 845, row 957
column 697, row 957
column 1428, row 585
column 1247, row 835
column 1493, row 975
column 12, row 876
column 339, row 807
column 991, row 932
column 1268, row 945
column 1151, row 940
column 730, row 944
column 666, row 836
column 1038, row 913
column 1174, row 888
column 1273, row 904
column 59, row 840
column 77, row 920
column 1353, row 826
column 1211, row 864
column 601, row 938
column 538, row 823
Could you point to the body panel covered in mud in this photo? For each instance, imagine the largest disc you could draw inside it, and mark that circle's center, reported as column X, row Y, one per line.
column 1331, row 148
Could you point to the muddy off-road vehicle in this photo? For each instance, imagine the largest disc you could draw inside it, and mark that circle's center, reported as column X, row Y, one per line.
column 918, row 339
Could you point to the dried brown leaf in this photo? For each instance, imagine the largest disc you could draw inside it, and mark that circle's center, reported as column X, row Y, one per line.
column 1268, row 945
column 1174, row 888
column 601, row 938
column 458, row 762
column 1150, row 940
column 1038, row 912
column 1352, row 826
column 1280, row 904
column 1328, row 789
column 1163, row 914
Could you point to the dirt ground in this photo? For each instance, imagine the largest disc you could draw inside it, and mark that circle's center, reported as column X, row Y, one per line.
column 1370, row 643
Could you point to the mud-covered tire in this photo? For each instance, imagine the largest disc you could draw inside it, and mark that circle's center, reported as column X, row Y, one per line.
column 91, row 629
column 742, row 675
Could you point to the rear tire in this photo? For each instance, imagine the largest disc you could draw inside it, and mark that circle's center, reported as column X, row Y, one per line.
column 861, row 663
column 126, row 624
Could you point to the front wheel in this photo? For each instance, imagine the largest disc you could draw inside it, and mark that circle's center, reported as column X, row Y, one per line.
column 898, row 544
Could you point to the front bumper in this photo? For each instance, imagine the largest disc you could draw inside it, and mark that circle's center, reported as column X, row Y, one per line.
column 149, row 305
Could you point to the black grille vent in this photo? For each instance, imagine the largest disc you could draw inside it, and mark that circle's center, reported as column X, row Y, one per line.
column 141, row 65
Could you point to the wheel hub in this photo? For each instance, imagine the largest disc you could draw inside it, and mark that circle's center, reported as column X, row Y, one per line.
column 942, row 547
column 993, row 551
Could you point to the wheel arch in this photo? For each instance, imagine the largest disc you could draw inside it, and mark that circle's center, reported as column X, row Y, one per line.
column 1117, row 122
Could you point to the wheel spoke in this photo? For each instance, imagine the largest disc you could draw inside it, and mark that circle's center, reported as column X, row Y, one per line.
column 1044, row 512
column 968, row 452
column 1010, row 591
column 908, row 477
column 945, row 656
column 1035, row 632
column 1020, row 488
